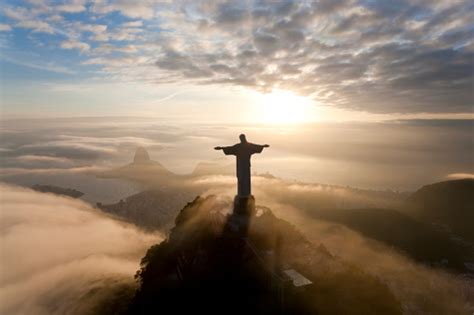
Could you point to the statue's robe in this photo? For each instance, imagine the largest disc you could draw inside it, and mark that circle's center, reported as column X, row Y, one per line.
column 243, row 151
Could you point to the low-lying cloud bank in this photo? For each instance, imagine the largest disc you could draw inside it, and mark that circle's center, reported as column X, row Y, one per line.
column 60, row 256
column 401, row 155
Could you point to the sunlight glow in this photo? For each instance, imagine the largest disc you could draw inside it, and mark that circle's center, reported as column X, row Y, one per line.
column 285, row 107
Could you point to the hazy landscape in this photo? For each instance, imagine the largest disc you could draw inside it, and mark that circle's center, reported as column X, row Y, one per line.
column 384, row 231
column 236, row 157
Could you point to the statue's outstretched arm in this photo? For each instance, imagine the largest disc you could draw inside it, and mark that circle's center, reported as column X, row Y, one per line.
column 222, row 148
column 258, row 148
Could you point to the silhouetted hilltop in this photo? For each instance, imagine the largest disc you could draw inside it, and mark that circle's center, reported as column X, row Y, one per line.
column 207, row 265
column 419, row 240
column 449, row 204
column 58, row 190
column 151, row 209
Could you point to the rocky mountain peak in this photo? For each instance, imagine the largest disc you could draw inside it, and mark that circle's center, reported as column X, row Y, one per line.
column 141, row 156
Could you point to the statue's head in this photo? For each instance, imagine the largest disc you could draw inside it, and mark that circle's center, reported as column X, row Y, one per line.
column 242, row 138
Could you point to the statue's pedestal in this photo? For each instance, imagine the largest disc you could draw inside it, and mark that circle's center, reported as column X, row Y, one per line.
column 239, row 221
column 244, row 205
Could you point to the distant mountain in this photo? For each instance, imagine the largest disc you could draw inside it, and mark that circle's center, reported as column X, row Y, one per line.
column 58, row 190
column 211, row 264
column 212, row 168
column 153, row 174
column 449, row 205
column 152, row 209
column 141, row 156
column 142, row 170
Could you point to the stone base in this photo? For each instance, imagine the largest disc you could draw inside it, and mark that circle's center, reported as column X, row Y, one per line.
column 244, row 205
column 239, row 221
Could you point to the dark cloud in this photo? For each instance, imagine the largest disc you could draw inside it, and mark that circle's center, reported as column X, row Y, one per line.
column 329, row 6
column 230, row 13
column 383, row 57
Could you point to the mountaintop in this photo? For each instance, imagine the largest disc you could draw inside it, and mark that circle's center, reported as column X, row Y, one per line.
column 150, row 209
column 73, row 193
column 141, row 156
column 448, row 204
column 209, row 264
column 142, row 170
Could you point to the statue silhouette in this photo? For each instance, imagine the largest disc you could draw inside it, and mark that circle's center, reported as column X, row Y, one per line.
column 243, row 151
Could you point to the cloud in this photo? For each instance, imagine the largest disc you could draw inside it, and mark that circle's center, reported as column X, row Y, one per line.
column 133, row 24
column 48, row 170
column 5, row 28
column 299, row 194
column 60, row 148
column 74, row 6
column 402, row 154
column 37, row 26
column 74, row 44
column 352, row 59
column 460, row 175
column 358, row 55
column 75, row 150
column 59, row 255
column 132, row 9
column 96, row 32
column 26, row 18
column 16, row 13
column 107, row 49
column 39, row 160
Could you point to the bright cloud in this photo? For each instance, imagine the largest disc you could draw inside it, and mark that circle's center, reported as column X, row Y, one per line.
column 72, row 44
column 37, row 26
column 62, row 248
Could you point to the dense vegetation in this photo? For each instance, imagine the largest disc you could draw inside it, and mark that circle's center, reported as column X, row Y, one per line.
column 449, row 204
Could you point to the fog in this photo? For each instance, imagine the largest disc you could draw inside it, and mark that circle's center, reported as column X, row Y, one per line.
column 419, row 288
column 300, row 194
column 398, row 154
column 61, row 256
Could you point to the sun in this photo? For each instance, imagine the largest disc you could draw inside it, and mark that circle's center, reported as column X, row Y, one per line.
column 285, row 107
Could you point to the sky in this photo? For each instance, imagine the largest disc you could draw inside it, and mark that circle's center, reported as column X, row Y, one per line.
column 247, row 61
column 349, row 92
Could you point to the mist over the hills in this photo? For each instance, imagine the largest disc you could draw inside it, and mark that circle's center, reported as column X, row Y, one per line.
column 402, row 155
column 61, row 256
column 82, row 249
column 419, row 288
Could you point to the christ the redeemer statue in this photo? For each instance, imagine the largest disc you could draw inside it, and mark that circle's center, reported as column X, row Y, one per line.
column 243, row 151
